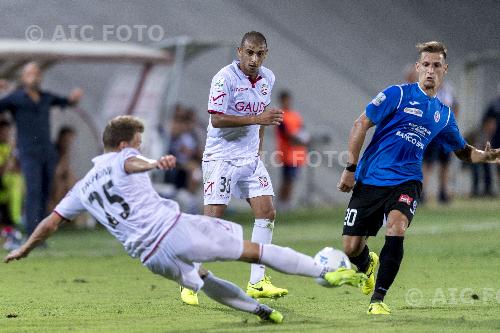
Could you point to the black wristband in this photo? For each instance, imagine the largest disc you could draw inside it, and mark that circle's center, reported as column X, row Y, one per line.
column 351, row 167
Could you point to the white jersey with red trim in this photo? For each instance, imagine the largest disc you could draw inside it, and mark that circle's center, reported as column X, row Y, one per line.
column 125, row 204
column 233, row 93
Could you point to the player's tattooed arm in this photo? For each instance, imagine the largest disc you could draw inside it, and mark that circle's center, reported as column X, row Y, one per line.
column 140, row 163
column 43, row 231
column 473, row 155
column 268, row 117
column 356, row 141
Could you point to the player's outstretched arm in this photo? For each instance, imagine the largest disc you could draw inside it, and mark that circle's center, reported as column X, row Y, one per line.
column 356, row 140
column 268, row 117
column 473, row 155
column 142, row 164
column 43, row 231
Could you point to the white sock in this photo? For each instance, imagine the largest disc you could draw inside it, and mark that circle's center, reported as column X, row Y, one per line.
column 229, row 294
column 289, row 261
column 263, row 234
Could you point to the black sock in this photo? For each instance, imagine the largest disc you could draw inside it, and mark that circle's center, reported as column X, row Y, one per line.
column 390, row 260
column 362, row 260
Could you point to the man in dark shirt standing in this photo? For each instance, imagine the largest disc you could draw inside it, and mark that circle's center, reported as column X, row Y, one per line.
column 492, row 119
column 30, row 106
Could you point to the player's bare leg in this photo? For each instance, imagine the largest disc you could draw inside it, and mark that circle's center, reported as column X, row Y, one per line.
column 390, row 260
column 189, row 296
column 444, row 172
column 357, row 250
column 263, row 209
column 427, row 168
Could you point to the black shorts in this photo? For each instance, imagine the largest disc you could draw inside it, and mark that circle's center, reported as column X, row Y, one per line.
column 370, row 205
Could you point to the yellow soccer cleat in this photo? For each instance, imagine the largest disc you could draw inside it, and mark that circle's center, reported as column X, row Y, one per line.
column 265, row 289
column 275, row 317
column 368, row 285
column 188, row 296
column 345, row 276
column 267, row 314
column 378, row 308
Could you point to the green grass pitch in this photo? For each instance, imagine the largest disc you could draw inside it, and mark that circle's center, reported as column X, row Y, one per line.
column 84, row 282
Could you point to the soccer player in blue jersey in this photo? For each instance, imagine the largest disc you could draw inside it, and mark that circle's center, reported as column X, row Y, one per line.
column 387, row 180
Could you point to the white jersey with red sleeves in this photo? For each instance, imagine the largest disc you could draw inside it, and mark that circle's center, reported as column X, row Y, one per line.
column 233, row 93
column 126, row 204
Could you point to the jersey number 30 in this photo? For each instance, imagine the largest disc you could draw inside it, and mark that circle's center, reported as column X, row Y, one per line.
column 112, row 198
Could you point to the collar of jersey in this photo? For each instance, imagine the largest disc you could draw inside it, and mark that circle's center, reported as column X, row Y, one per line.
column 242, row 75
column 423, row 92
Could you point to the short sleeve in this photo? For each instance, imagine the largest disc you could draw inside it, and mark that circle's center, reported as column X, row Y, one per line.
column 219, row 94
column 71, row 205
column 384, row 104
column 450, row 138
column 125, row 154
column 272, row 80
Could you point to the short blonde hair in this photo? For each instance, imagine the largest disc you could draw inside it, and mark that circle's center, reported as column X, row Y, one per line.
column 121, row 128
column 431, row 47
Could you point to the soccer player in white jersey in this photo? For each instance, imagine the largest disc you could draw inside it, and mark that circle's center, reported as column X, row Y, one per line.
column 240, row 94
column 118, row 193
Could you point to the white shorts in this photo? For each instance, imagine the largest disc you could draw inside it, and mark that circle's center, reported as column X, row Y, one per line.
column 193, row 240
column 243, row 179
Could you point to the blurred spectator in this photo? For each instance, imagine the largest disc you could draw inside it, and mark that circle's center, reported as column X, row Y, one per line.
column 292, row 141
column 433, row 153
column 185, row 145
column 491, row 121
column 64, row 177
column 481, row 173
column 30, row 108
column 11, row 189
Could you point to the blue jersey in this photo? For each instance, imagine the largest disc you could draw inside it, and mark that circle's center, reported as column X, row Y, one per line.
column 407, row 119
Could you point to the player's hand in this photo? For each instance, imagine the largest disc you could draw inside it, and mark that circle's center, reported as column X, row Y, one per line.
column 15, row 255
column 491, row 155
column 270, row 117
column 346, row 182
column 166, row 162
column 75, row 95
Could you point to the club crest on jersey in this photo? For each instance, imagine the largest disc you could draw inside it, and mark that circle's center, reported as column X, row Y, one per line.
column 379, row 99
column 219, row 84
column 406, row 199
column 437, row 116
column 414, row 111
column 264, row 89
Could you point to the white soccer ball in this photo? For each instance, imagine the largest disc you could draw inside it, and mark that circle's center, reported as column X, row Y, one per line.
column 333, row 259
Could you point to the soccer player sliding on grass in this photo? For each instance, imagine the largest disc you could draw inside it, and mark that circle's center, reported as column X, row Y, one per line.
column 388, row 176
column 118, row 192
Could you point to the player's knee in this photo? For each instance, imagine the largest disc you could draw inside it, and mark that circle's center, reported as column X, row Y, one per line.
column 203, row 272
column 251, row 252
column 352, row 247
column 270, row 214
column 397, row 227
